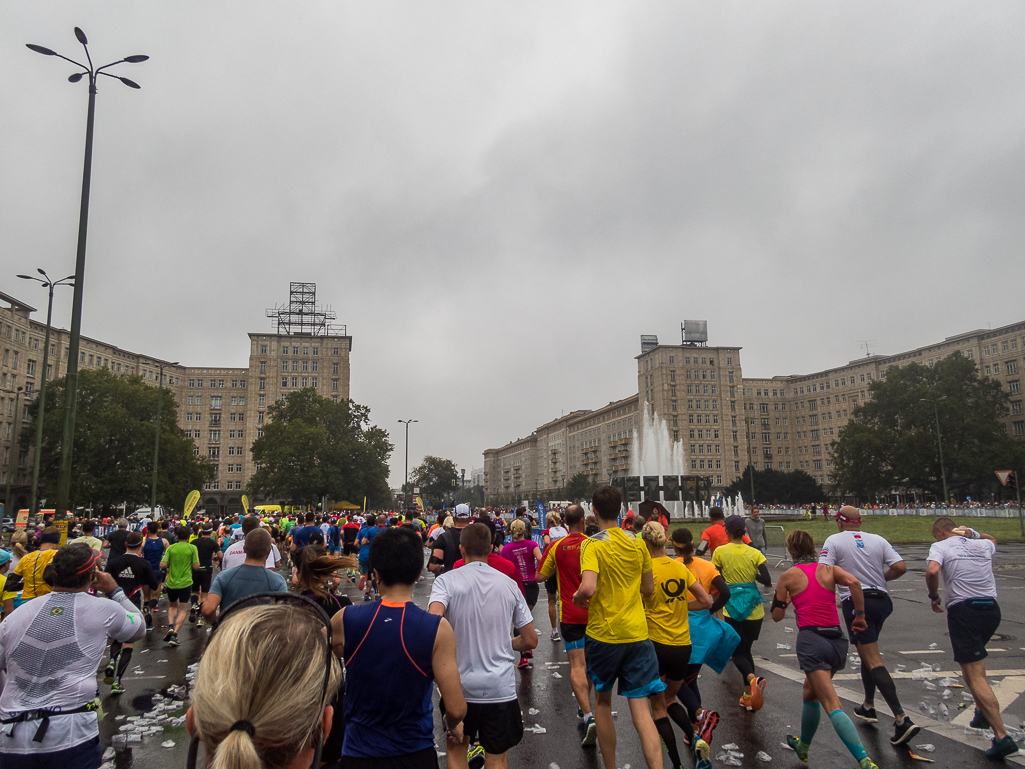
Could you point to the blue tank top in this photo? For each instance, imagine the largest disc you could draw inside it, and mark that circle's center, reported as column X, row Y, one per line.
column 388, row 679
column 153, row 551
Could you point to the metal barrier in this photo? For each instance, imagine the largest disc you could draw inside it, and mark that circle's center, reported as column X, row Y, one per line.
column 776, row 545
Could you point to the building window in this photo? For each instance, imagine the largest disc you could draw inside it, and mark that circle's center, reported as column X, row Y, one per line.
column 1012, row 366
column 1019, row 428
column 295, row 381
column 1014, row 386
column 334, row 385
column 334, row 350
column 263, row 349
column 213, row 452
column 334, row 369
column 259, row 417
column 284, row 381
column 216, row 401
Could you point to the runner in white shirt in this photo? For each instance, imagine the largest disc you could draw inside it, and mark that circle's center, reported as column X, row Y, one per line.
column 50, row 649
column 482, row 604
column 965, row 559
column 235, row 555
column 874, row 562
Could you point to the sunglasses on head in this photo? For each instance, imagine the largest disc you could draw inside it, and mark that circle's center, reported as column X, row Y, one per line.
column 277, row 599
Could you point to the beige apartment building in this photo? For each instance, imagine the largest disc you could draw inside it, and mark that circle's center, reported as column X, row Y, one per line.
column 222, row 410
column 725, row 420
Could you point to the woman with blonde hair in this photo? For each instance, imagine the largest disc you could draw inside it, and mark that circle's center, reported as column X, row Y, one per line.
column 667, row 611
column 19, row 547
column 263, row 689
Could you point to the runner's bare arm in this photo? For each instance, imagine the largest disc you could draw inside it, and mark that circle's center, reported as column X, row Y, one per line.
column 849, row 581
column 446, row 676
column 782, row 597
column 338, row 633
column 647, row 584
column 436, row 607
column 932, row 584
column 896, row 571
column 526, row 640
column 588, row 586
column 702, row 600
column 209, row 610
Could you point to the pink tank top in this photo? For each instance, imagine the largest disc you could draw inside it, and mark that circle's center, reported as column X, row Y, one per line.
column 815, row 606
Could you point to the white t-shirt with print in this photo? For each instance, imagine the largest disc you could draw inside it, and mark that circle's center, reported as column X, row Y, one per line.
column 861, row 554
column 967, row 568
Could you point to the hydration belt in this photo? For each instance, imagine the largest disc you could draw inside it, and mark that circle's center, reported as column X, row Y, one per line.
column 43, row 715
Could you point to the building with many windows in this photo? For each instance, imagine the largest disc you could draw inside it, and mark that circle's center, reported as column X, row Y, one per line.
column 723, row 420
column 222, row 410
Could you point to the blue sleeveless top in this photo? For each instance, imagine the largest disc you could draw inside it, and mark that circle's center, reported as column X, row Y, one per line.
column 388, row 679
column 153, row 551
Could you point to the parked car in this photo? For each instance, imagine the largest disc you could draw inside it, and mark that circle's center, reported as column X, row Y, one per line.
column 7, row 526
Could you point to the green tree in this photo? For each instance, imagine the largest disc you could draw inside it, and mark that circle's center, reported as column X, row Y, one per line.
column 437, row 478
column 579, row 487
column 115, row 429
column 891, row 440
column 312, row 448
column 776, row 487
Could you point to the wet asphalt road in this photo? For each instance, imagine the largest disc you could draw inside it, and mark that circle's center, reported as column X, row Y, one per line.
column 906, row 641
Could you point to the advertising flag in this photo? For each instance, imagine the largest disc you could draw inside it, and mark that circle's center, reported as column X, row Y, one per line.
column 245, row 503
column 190, row 502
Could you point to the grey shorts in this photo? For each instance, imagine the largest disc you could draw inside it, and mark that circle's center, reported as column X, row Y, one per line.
column 821, row 649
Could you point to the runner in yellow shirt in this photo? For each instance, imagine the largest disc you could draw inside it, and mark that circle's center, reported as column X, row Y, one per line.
column 667, row 612
column 32, row 565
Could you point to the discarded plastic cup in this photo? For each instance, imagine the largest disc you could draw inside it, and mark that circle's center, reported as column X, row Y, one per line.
column 783, row 646
column 937, row 667
column 927, row 747
column 788, row 630
column 947, row 694
column 731, row 746
column 761, row 755
column 900, row 668
column 967, row 696
column 930, row 686
column 933, row 645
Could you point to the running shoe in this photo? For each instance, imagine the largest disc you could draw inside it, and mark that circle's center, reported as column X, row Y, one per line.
column 555, row 635
column 117, row 688
column 590, row 733
column 709, row 720
column 867, row 763
column 745, row 702
column 169, row 636
column 193, row 613
column 701, row 751
column 979, row 720
column 475, row 757
column 200, row 623
column 148, row 616
column 524, row 662
column 757, row 693
column 1002, row 748
column 174, row 640
column 866, row 714
column 798, row 747
column 904, row 731
column 580, row 713
column 529, row 653
column 366, row 597
column 108, row 672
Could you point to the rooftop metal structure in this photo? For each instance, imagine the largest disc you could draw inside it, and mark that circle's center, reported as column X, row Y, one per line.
column 302, row 315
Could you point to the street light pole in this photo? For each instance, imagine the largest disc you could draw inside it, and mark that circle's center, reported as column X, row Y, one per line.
column 14, row 446
column 156, row 443
column 939, row 442
column 41, row 398
column 71, row 386
column 405, row 491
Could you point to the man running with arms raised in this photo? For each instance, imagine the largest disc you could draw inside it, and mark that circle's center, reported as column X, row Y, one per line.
column 874, row 562
column 965, row 559
column 562, row 562
column 615, row 574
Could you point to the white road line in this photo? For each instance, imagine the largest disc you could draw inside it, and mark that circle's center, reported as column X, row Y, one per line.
column 924, row 651
column 948, row 730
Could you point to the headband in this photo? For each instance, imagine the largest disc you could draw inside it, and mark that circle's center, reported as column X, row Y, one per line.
column 50, row 539
column 841, row 517
column 90, row 563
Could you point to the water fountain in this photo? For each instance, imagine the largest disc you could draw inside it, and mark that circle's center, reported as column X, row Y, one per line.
column 657, row 453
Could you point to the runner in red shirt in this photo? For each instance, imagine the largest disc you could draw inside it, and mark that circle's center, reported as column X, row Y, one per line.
column 562, row 562
column 715, row 535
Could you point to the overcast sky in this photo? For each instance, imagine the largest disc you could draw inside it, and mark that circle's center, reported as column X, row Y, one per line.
column 498, row 199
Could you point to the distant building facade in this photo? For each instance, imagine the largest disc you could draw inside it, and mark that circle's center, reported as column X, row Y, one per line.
column 223, row 410
column 725, row 420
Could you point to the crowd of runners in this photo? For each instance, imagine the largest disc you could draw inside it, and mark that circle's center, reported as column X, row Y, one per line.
column 294, row 674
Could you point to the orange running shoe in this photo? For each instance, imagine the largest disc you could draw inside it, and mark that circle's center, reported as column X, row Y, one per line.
column 757, row 693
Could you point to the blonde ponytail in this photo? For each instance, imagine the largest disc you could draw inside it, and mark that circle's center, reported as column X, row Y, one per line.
column 236, row 751
column 654, row 534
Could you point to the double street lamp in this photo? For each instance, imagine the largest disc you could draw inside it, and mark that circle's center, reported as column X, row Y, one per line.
column 91, row 73
column 156, row 442
column 50, row 285
column 939, row 441
column 405, row 490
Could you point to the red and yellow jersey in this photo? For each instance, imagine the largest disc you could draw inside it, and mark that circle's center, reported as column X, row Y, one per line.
column 562, row 558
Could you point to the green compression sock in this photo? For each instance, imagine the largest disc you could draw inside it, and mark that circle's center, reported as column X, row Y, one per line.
column 846, row 731
column 810, row 714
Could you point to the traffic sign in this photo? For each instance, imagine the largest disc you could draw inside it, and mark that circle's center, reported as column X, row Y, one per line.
column 1003, row 475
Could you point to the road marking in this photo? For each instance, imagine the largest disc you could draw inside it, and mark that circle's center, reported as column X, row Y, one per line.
column 924, row 651
column 1006, row 693
column 950, row 730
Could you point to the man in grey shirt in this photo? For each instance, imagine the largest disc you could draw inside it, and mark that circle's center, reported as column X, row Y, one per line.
column 756, row 530
column 250, row 578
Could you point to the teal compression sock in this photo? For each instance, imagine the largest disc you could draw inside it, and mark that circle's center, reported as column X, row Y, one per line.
column 810, row 715
column 846, row 731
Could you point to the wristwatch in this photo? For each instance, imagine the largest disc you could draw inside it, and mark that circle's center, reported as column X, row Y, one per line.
column 113, row 594
column 934, row 598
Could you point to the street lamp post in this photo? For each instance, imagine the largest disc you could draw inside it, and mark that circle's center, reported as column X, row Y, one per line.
column 156, row 442
column 939, row 442
column 41, row 398
column 71, row 396
column 14, row 446
column 405, row 490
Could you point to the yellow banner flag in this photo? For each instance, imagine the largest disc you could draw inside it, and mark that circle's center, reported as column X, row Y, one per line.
column 190, row 502
column 245, row 503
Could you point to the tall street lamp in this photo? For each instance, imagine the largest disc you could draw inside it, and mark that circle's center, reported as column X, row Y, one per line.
column 41, row 398
column 156, row 441
column 939, row 442
column 14, row 446
column 71, row 396
column 405, row 492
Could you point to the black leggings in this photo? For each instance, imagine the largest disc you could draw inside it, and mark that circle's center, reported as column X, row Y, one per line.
column 748, row 630
column 689, row 694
